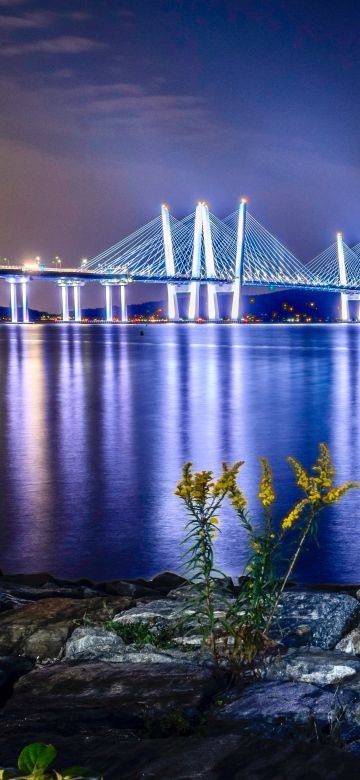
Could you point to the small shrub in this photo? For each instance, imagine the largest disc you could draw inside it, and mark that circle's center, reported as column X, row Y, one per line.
column 140, row 634
column 248, row 617
column 34, row 762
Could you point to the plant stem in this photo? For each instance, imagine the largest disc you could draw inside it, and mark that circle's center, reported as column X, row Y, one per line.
column 290, row 569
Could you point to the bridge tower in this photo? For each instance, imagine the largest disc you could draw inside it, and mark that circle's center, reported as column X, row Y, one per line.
column 193, row 313
column 212, row 302
column 239, row 263
column 202, row 228
column 172, row 302
column 344, row 301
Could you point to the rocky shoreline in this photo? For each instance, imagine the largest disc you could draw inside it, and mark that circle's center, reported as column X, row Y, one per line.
column 105, row 672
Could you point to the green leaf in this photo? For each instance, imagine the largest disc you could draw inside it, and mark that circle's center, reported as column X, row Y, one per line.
column 8, row 774
column 36, row 756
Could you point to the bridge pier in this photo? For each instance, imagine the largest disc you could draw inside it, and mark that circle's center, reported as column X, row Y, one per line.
column 77, row 306
column 108, row 303
column 193, row 312
column 65, row 302
column 212, row 303
column 123, row 306
column 25, row 308
column 13, row 301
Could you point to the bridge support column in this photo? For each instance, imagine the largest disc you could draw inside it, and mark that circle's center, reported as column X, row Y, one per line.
column 108, row 303
column 239, row 263
column 123, row 306
column 13, row 302
column 172, row 302
column 77, row 306
column 212, row 303
column 193, row 313
column 65, row 302
column 25, row 308
column 344, row 301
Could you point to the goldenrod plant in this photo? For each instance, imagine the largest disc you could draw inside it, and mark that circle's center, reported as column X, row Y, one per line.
column 34, row 764
column 203, row 497
column 248, row 616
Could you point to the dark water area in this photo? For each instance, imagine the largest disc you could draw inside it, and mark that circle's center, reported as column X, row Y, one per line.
column 95, row 422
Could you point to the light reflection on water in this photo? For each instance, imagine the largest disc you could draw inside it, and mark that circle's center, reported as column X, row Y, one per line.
column 95, row 423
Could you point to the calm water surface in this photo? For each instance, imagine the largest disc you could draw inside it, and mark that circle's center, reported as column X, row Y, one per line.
column 95, row 422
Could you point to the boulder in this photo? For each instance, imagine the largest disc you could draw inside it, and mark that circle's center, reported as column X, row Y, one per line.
column 350, row 643
column 280, row 707
column 90, row 643
column 215, row 757
column 72, row 697
column 40, row 629
column 318, row 619
column 159, row 612
column 313, row 665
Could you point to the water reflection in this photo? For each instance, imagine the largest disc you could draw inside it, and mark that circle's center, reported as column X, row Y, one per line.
column 95, row 423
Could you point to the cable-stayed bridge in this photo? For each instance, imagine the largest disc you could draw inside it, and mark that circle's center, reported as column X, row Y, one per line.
column 224, row 255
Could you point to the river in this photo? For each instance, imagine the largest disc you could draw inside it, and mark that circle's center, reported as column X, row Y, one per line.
column 95, row 422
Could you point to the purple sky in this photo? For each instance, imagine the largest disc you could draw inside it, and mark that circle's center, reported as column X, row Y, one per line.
column 109, row 108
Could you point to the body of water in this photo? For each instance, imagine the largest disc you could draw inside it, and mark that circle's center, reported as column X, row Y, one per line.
column 95, row 422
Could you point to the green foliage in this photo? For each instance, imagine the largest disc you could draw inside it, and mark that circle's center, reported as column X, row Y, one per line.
column 140, row 634
column 243, row 632
column 34, row 762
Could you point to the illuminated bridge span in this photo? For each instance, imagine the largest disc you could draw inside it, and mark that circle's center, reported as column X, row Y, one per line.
column 224, row 255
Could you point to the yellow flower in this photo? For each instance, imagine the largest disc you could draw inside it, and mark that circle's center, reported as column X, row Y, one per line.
column 214, row 520
column 294, row 514
column 256, row 546
column 266, row 494
column 238, row 500
column 324, row 467
column 201, row 533
column 302, row 478
column 338, row 492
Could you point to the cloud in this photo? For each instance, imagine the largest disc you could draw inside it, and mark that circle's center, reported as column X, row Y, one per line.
column 27, row 21
column 12, row 3
column 65, row 44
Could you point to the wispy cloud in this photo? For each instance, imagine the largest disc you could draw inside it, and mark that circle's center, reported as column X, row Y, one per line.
column 12, row 3
column 65, row 44
column 29, row 21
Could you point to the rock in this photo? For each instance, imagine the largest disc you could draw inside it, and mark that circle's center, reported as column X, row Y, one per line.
column 282, row 706
column 350, row 643
column 326, row 616
column 40, row 630
column 75, row 697
column 162, row 611
column 313, row 665
column 96, row 643
column 90, row 642
column 163, row 583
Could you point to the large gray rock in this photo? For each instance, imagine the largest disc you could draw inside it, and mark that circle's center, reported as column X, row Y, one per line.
column 89, row 643
column 286, row 703
column 313, row 665
column 40, row 629
column 161, row 611
column 71, row 697
column 318, row 619
column 350, row 643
